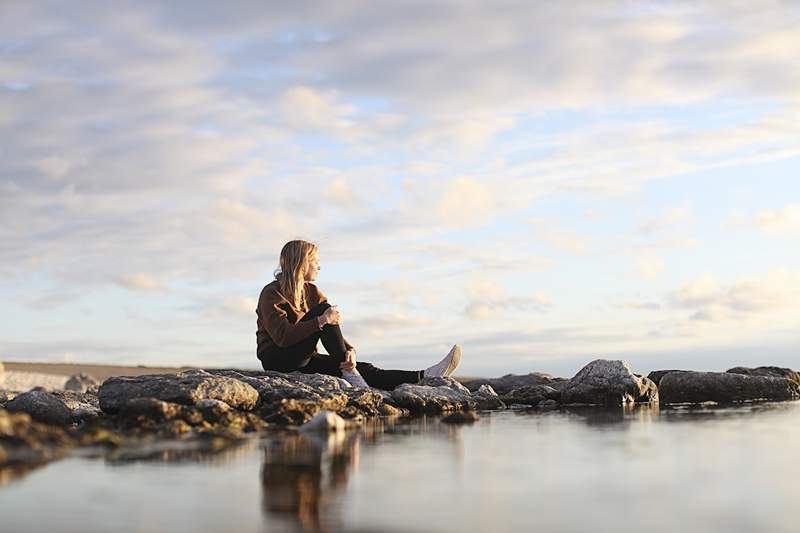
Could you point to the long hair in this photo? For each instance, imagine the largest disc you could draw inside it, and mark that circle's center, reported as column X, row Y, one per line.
column 293, row 266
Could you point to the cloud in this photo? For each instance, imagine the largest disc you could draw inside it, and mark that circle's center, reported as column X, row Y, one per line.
column 783, row 221
column 140, row 281
column 774, row 291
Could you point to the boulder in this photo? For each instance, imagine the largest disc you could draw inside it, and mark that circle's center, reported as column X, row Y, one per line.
column 330, row 391
column 725, row 387
column 607, row 382
column 769, row 371
column 531, row 395
column 81, row 382
column 42, row 406
column 433, row 395
column 185, row 388
column 656, row 375
column 84, row 406
column 486, row 398
column 507, row 383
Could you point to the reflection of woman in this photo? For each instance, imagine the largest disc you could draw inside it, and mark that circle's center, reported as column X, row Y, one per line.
column 293, row 315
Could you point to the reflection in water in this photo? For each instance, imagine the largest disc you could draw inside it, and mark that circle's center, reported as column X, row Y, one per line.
column 304, row 475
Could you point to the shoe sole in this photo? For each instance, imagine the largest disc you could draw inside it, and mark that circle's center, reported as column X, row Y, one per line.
column 455, row 360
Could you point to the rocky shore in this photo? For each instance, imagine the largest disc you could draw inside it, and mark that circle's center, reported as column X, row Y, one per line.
column 216, row 408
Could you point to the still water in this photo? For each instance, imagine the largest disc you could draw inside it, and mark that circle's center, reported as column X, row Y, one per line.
column 702, row 469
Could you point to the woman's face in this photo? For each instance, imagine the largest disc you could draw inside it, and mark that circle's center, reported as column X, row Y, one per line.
column 312, row 268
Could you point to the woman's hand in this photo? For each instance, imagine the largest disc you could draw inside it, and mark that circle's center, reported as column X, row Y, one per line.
column 349, row 361
column 332, row 316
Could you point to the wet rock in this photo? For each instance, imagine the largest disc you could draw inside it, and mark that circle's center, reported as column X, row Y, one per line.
column 656, row 375
column 507, row 383
column 81, row 382
column 184, row 388
column 42, row 407
column 461, row 417
column 329, row 391
column 486, row 398
column 547, row 405
column 25, row 441
column 769, row 371
column 725, row 387
column 421, row 398
column 325, row 421
column 214, row 411
column 531, row 395
column 608, row 382
column 391, row 410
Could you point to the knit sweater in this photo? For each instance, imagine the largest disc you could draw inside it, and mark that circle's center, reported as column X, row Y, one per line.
column 279, row 321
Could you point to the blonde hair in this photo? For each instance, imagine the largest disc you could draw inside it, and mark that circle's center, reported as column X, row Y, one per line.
column 291, row 273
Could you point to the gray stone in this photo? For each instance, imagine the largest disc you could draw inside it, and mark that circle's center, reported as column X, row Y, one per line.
column 725, row 387
column 83, row 405
column 608, row 382
column 42, row 407
column 486, row 398
column 769, row 371
column 184, row 388
column 531, row 395
column 81, row 382
column 656, row 375
column 509, row 382
column 420, row 398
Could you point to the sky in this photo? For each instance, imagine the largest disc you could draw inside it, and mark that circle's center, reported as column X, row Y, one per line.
column 544, row 183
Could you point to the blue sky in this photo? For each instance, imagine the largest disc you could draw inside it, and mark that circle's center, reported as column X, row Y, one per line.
column 543, row 183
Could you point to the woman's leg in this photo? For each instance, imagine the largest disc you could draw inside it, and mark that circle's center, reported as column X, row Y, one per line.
column 386, row 379
column 330, row 335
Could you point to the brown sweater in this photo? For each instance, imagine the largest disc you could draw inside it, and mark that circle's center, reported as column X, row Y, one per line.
column 279, row 321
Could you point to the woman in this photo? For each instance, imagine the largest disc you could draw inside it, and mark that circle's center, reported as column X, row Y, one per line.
column 293, row 315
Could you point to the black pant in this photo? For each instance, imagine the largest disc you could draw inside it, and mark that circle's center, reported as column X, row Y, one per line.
column 303, row 356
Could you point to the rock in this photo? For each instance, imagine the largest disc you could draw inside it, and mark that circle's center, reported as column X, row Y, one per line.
column 214, row 410
column 507, row 383
column 461, row 417
column 81, row 382
column 548, row 405
column 139, row 410
column 391, row 410
column 289, row 412
column 656, row 375
column 531, row 395
column 486, row 398
column 42, row 407
column 25, row 441
column 325, row 422
column 184, row 388
column 725, row 387
column 365, row 401
column 610, row 383
column 421, row 398
column 84, row 406
column 770, row 371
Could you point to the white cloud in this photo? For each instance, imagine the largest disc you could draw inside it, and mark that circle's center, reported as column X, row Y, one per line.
column 775, row 291
column 140, row 281
column 783, row 221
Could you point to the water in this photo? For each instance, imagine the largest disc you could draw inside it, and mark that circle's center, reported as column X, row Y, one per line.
column 709, row 469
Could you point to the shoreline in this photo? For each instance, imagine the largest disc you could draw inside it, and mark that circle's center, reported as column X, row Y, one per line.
column 97, row 370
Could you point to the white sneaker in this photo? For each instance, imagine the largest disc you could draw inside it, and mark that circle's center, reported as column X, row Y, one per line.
column 354, row 378
column 446, row 366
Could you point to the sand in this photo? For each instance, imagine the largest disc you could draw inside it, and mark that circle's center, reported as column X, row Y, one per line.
column 53, row 376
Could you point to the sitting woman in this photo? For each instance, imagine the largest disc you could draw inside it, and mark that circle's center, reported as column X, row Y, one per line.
column 293, row 315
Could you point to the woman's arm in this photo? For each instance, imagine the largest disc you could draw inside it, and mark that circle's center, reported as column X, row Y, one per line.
column 275, row 320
